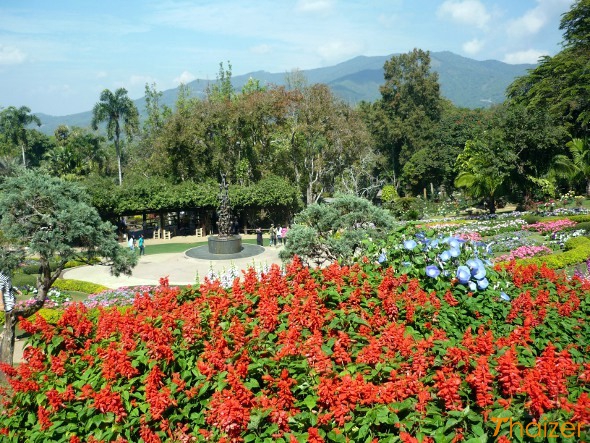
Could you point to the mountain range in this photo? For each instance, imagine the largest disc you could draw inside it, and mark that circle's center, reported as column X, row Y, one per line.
column 466, row 82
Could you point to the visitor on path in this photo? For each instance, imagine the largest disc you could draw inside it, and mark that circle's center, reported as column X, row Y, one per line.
column 8, row 298
column 131, row 243
column 273, row 235
column 141, row 245
column 279, row 235
column 259, row 236
column 284, row 235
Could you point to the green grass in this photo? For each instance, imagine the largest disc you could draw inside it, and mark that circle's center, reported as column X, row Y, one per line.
column 167, row 248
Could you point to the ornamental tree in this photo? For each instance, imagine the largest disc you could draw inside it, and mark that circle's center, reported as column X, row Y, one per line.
column 324, row 233
column 55, row 221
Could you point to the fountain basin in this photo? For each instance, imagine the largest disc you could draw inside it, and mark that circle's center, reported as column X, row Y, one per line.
column 224, row 245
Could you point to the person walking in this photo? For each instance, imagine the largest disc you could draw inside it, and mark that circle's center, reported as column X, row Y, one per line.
column 259, row 240
column 284, row 235
column 273, row 235
column 140, row 242
column 279, row 235
column 131, row 243
column 8, row 298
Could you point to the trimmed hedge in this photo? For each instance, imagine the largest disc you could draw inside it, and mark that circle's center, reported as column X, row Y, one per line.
column 580, row 218
column 51, row 316
column 78, row 285
column 577, row 251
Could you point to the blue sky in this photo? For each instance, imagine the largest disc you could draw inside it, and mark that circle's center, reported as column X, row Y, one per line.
column 57, row 56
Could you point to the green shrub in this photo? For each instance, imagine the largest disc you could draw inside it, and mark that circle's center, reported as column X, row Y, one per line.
column 583, row 225
column 20, row 279
column 580, row 218
column 78, row 285
column 407, row 208
column 532, row 219
column 51, row 316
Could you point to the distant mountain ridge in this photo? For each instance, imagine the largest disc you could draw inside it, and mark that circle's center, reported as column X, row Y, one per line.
column 466, row 82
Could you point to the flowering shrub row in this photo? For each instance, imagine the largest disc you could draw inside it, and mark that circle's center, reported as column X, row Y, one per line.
column 550, row 226
column 524, row 252
column 361, row 353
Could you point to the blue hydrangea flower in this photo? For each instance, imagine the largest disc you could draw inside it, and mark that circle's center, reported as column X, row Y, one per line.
column 454, row 243
column 463, row 274
column 432, row 271
column 472, row 286
column 480, row 273
column 455, row 252
column 472, row 263
column 382, row 258
column 482, row 284
column 504, row 296
column 445, row 255
column 410, row 244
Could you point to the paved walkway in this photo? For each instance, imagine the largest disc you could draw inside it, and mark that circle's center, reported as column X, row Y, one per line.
column 178, row 267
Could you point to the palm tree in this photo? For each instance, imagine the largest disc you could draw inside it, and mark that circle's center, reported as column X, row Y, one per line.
column 120, row 114
column 14, row 122
column 578, row 166
column 481, row 185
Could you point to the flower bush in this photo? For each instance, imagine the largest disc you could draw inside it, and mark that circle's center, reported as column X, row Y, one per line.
column 123, row 296
column 55, row 298
column 545, row 227
column 524, row 252
column 366, row 352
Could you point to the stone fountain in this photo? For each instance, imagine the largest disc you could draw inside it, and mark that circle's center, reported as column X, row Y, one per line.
column 225, row 242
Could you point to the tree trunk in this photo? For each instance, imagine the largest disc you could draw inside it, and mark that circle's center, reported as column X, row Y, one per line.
column 22, row 148
column 492, row 205
column 7, row 339
column 588, row 187
column 118, row 149
column 44, row 282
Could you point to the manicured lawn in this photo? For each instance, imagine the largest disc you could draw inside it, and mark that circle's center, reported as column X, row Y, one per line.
column 168, row 248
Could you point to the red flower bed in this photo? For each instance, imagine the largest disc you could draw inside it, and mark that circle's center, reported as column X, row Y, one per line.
column 358, row 353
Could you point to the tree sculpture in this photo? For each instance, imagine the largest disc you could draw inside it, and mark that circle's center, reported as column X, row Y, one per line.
column 56, row 222
column 224, row 224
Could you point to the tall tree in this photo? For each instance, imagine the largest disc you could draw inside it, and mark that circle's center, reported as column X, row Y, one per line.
column 13, row 124
column 121, row 116
column 560, row 85
column 55, row 221
column 410, row 98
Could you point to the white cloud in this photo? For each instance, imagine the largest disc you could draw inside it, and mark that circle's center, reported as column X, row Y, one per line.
column 184, row 78
column 528, row 56
column 536, row 18
column 469, row 12
column 315, row 5
column 472, row 47
column 9, row 55
column 336, row 50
